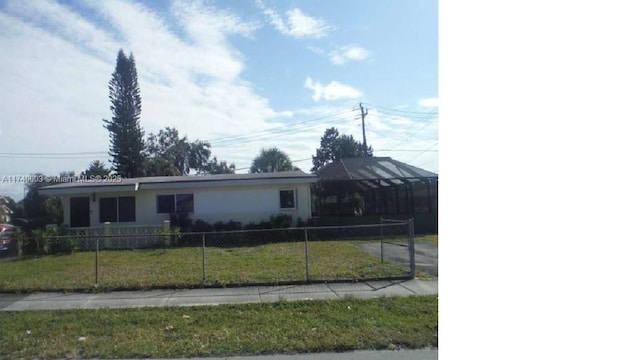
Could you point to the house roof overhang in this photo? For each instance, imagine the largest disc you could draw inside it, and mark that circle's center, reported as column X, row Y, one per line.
column 179, row 182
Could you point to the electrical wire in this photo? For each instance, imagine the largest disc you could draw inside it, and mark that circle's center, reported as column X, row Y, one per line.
column 396, row 110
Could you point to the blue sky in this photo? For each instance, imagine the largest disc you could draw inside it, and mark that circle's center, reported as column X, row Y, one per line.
column 243, row 75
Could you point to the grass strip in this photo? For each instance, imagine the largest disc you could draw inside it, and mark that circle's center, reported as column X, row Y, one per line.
column 226, row 330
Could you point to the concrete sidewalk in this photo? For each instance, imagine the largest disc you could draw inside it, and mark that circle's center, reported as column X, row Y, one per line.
column 214, row 296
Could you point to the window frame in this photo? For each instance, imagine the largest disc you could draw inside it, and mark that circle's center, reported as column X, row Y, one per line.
column 178, row 206
column 295, row 200
column 174, row 205
column 173, row 196
column 121, row 210
column 118, row 209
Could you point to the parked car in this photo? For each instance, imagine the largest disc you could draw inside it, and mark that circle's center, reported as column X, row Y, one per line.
column 7, row 244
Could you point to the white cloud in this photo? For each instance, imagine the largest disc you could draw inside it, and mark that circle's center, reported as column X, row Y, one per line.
column 67, row 24
column 203, row 23
column 348, row 53
column 332, row 91
column 428, row 102
column 301, row 25
column 57, row 64
column 298, row 24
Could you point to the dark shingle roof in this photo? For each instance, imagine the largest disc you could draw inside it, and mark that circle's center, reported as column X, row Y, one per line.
column 371, row 168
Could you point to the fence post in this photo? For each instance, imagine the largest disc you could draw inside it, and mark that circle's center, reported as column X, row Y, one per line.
column 412, row 249
column 204, row 262
column 306, row 252
column 107, row 234
column 381, row 240
column 97, row 240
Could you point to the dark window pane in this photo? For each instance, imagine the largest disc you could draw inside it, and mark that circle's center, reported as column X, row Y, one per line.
column 79, row 212
column 184, row 202
column 287, row 199
column 127, row 208
column 109, row 210
column 166, row 204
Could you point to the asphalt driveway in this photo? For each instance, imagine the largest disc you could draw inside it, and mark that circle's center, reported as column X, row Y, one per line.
column 426, row 254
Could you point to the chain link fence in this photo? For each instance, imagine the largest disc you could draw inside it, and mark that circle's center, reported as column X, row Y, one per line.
column 224, row 258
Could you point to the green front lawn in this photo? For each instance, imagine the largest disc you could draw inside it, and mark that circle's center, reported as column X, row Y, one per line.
column 182, row 267
column 225, row 330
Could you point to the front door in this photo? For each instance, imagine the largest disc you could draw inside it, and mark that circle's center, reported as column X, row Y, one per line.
column 79, row 212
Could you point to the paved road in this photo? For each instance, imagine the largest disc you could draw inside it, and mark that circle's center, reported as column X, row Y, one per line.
column 423, row 354
column 426, row 255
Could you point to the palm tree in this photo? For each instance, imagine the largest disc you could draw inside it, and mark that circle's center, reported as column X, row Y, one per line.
column 272, row 160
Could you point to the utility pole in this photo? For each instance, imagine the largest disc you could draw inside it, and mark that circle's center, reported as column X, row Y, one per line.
column 364, row 113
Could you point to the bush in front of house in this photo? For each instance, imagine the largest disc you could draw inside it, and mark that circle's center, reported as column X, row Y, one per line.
column 59, row 243
column 48, row 241
column 280, row 221
column 171, row 237
column 181, row 220
column 250, row 238
column 201, row 226
column 228, row 226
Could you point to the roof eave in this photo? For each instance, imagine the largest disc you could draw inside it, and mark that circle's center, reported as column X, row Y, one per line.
column 196, row 184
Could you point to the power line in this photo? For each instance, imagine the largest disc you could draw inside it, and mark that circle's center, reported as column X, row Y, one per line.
column 421, row 150
column 56, row 154
column 278, row 129
column 409, row 133
column 396, row 110
column 48, row 157
column 415, row 157
column 273, row 135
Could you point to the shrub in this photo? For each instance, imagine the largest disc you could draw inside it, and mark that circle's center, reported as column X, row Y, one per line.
column 261, row 225
column 201, row 226
column 171, row 237
column 37, row 243
column 62, row 246
column 19, row 237
column 280, row 221
column 181, row 220
column 228, row 226
column 47, row 241
column 302, row 223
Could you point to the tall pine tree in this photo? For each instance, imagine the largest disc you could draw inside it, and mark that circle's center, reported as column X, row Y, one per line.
column 125, row 135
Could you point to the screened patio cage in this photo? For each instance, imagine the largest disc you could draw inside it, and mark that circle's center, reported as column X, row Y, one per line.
column 362, row 190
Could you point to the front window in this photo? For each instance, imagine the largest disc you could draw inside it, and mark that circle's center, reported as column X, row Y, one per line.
column 126, row 208
column 118, row 209
column 287, row 199
column 109, row 210
column 166, row 204
column 184, row 202
column 169, row 204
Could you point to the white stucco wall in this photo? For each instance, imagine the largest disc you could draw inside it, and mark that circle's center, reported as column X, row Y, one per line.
column 246, row 203
column 249, row 205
